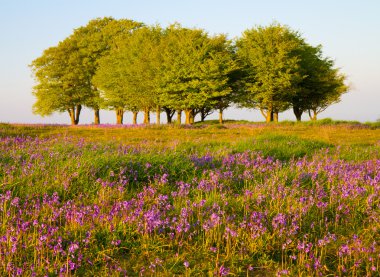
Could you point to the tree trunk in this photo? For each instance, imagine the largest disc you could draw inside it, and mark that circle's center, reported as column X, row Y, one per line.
column 146, row 115
column 77, row 113
column 179, row 117
column 189, row 116
column 97, row 117
column 203, row 115
column 220, row 116
column 269, row 114
column 297, row 112
column 314, row 116
column 74, row 113
column 158, row 114
column 135, row 117
column 119, row 116
column 275, row 116
column 192, row 116
column 263, row 113
column 169, row 114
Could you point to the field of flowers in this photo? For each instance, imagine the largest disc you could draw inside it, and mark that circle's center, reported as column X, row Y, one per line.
column 213, row 201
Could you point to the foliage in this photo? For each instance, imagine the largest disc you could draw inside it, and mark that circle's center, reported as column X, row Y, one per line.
column 195, row 69
column 120, row 65
column 64, row 72
column 128, row 75
column 271, row 66
column 322, row 84
column 95, row 41
column 282, row 70
column 61, row 86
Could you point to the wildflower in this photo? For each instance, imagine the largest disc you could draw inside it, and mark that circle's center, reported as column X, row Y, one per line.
column 344, row 250
column 19, row 271
column 283, row 272
column 116, row 242
column 224, row 271
column 213, row 249
column 293, row 257
column 73, row 247
column 164, row 179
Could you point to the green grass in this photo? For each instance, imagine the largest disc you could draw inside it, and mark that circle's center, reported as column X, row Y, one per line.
column 226, row 166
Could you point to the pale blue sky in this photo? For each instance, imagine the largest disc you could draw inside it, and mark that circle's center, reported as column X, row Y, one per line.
column 348, row 30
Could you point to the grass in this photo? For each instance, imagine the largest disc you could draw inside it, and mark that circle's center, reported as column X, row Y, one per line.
column 242, row 199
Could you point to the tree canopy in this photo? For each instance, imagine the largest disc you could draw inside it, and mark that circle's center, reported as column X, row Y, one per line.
column 280, row 70
column 123, row 65
column 64, row 73
column 128, row 76
column 321, row 86
column 61, row 86
column 195, row 70
column 268, row 56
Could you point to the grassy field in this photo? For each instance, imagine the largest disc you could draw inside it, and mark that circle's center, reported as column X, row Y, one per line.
column 239, row 199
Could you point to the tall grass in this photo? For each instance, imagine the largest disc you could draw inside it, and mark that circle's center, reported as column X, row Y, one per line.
column 246, row 200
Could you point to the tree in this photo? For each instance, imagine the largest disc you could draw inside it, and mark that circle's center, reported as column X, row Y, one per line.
column 60, row 86
column 95, row 41
column 271, row 68
column 321, row 86
column 194, row 70
column 65, row 72
column 127, row 76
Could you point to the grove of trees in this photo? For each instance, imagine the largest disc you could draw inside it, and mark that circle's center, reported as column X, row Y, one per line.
column 123, row 65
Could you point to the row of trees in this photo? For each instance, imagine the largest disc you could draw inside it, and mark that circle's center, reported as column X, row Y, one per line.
column 124, row 65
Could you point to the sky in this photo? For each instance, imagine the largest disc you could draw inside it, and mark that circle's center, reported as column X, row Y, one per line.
column 348, row 30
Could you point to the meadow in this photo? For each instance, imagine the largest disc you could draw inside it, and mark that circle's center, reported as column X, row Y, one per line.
column 239, row 199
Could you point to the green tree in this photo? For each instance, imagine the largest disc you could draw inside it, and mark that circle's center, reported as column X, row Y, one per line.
column 194, row 70
column 128, row 76
column 321, row 86
column 65, row 72
column 60, row 86
column 271, row 68
column 95, row 41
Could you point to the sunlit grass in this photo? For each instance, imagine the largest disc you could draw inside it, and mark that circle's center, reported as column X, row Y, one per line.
column 238, row 199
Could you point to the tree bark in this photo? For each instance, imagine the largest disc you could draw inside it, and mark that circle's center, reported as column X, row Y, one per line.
column 146, row 115
column 135, row 117
column 192, row 116
column 189, row 116
column 314, row 116
column 119, row 116
column 179, row 117
column 203, row 115
column 158, row 115
column 169, row 114
column 297, row 112
column 77, row 113
column 220, row 116
column 96, row 117
column 275, row 116
column 269, row 114
column 263, row 113
column 74, row 113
